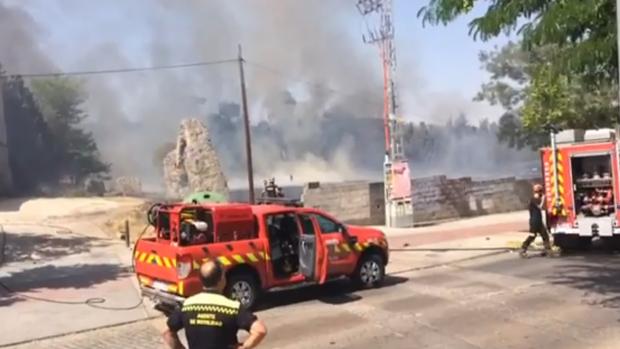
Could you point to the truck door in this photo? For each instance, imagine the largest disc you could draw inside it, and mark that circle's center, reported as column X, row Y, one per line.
column 312, row 257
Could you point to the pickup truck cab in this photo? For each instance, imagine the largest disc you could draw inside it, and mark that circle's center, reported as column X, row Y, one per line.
column 262, row 248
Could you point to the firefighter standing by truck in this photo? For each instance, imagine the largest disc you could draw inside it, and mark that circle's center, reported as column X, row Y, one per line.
column 210, row 320
column 537, row 224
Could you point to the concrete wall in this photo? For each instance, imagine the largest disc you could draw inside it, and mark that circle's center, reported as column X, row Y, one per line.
column 435, row 198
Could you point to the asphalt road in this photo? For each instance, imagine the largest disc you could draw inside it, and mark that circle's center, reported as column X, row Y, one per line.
column 496, row 302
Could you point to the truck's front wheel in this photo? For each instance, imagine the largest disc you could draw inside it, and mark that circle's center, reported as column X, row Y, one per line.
column 243, row 288
column 370, row 271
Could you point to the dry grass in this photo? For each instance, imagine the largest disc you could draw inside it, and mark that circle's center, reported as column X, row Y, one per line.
column 114, row 223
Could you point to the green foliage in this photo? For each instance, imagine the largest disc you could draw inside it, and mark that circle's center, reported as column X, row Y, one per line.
column 44, row 137
column 568, row 103
column 535, row 95
column 584, row 30
column 75, row 151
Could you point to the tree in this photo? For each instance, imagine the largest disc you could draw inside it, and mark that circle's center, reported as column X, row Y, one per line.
column 74, row 150
column 534, row 95
column 28, row 137
column 583, row 31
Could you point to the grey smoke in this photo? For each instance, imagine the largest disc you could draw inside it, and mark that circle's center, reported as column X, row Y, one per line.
column 312, row 115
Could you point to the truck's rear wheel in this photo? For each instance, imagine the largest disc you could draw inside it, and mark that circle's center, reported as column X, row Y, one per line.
column 243, row 288
column 370, row 271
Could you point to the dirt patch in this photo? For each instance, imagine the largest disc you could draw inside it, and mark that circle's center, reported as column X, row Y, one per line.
column 114, row 223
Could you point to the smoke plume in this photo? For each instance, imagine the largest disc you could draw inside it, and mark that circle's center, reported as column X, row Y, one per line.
column 314, row 89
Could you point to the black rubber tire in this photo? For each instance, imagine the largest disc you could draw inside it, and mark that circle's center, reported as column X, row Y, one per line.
column 369, row 262
column 243, row 281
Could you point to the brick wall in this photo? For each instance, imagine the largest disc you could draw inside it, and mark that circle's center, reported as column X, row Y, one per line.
column 435, row 198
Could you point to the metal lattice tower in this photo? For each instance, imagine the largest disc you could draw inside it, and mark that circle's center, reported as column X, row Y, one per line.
column 398, row 200
column 383, row 37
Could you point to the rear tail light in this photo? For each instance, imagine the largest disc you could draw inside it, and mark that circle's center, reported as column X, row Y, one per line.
column 184, row 266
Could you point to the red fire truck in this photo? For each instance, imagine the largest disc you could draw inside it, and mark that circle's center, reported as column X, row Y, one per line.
column 581, row 172
column 262, row 248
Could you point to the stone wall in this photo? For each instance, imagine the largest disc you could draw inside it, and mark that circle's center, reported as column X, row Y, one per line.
column 435, row 198
column 349, row 201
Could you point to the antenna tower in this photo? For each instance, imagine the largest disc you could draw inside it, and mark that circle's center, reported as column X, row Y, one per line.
column 397, row 178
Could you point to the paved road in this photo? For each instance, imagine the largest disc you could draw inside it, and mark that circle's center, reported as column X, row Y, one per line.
column 496, row 302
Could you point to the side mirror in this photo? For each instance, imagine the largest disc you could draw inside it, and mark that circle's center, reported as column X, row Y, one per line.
column 342, row 229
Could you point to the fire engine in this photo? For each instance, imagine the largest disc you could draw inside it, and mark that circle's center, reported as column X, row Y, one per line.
column 581, row 172
column 265, row 247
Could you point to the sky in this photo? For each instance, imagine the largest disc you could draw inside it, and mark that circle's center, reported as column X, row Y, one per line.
column 311, row 52
column 440, row 60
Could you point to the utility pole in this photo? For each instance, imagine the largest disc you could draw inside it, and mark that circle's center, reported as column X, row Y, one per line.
column 246, row 124
column 618, row 51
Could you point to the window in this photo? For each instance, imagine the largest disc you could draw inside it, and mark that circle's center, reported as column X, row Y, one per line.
column 282, row 223
column 327, row 225
column 306, row 224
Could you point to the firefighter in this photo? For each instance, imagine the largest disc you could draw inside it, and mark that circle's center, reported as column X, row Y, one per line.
column 210, row 320
column 537, row 224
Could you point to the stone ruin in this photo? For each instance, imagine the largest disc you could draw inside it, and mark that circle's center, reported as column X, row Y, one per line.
column 193, row 166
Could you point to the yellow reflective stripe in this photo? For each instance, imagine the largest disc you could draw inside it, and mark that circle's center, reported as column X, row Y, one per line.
column 195, row 265
column 252, row 257
column 264, row 255
column 358, row 247
column 238, row 258
column 211, row 299
column 366, row 244
column 136, row 255
column 158, row 261
column 336, row 249
column 180, row 287
column 143, row 256
column 346, row 247
column 167, row 262
column 224, row 260
column 560, row 157
column 174, row 262
column 150, row 259
column 172, row 288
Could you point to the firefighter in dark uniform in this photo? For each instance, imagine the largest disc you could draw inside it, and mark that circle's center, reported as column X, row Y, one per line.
column 210, row 320
column 537, row 225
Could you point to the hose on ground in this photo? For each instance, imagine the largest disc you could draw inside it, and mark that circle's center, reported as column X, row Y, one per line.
column 94, row 302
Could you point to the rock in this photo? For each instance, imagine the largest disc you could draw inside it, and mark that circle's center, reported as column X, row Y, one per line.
column 194, row 165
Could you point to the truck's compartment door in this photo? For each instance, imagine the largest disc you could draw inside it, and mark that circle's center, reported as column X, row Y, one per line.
column 312, row 261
